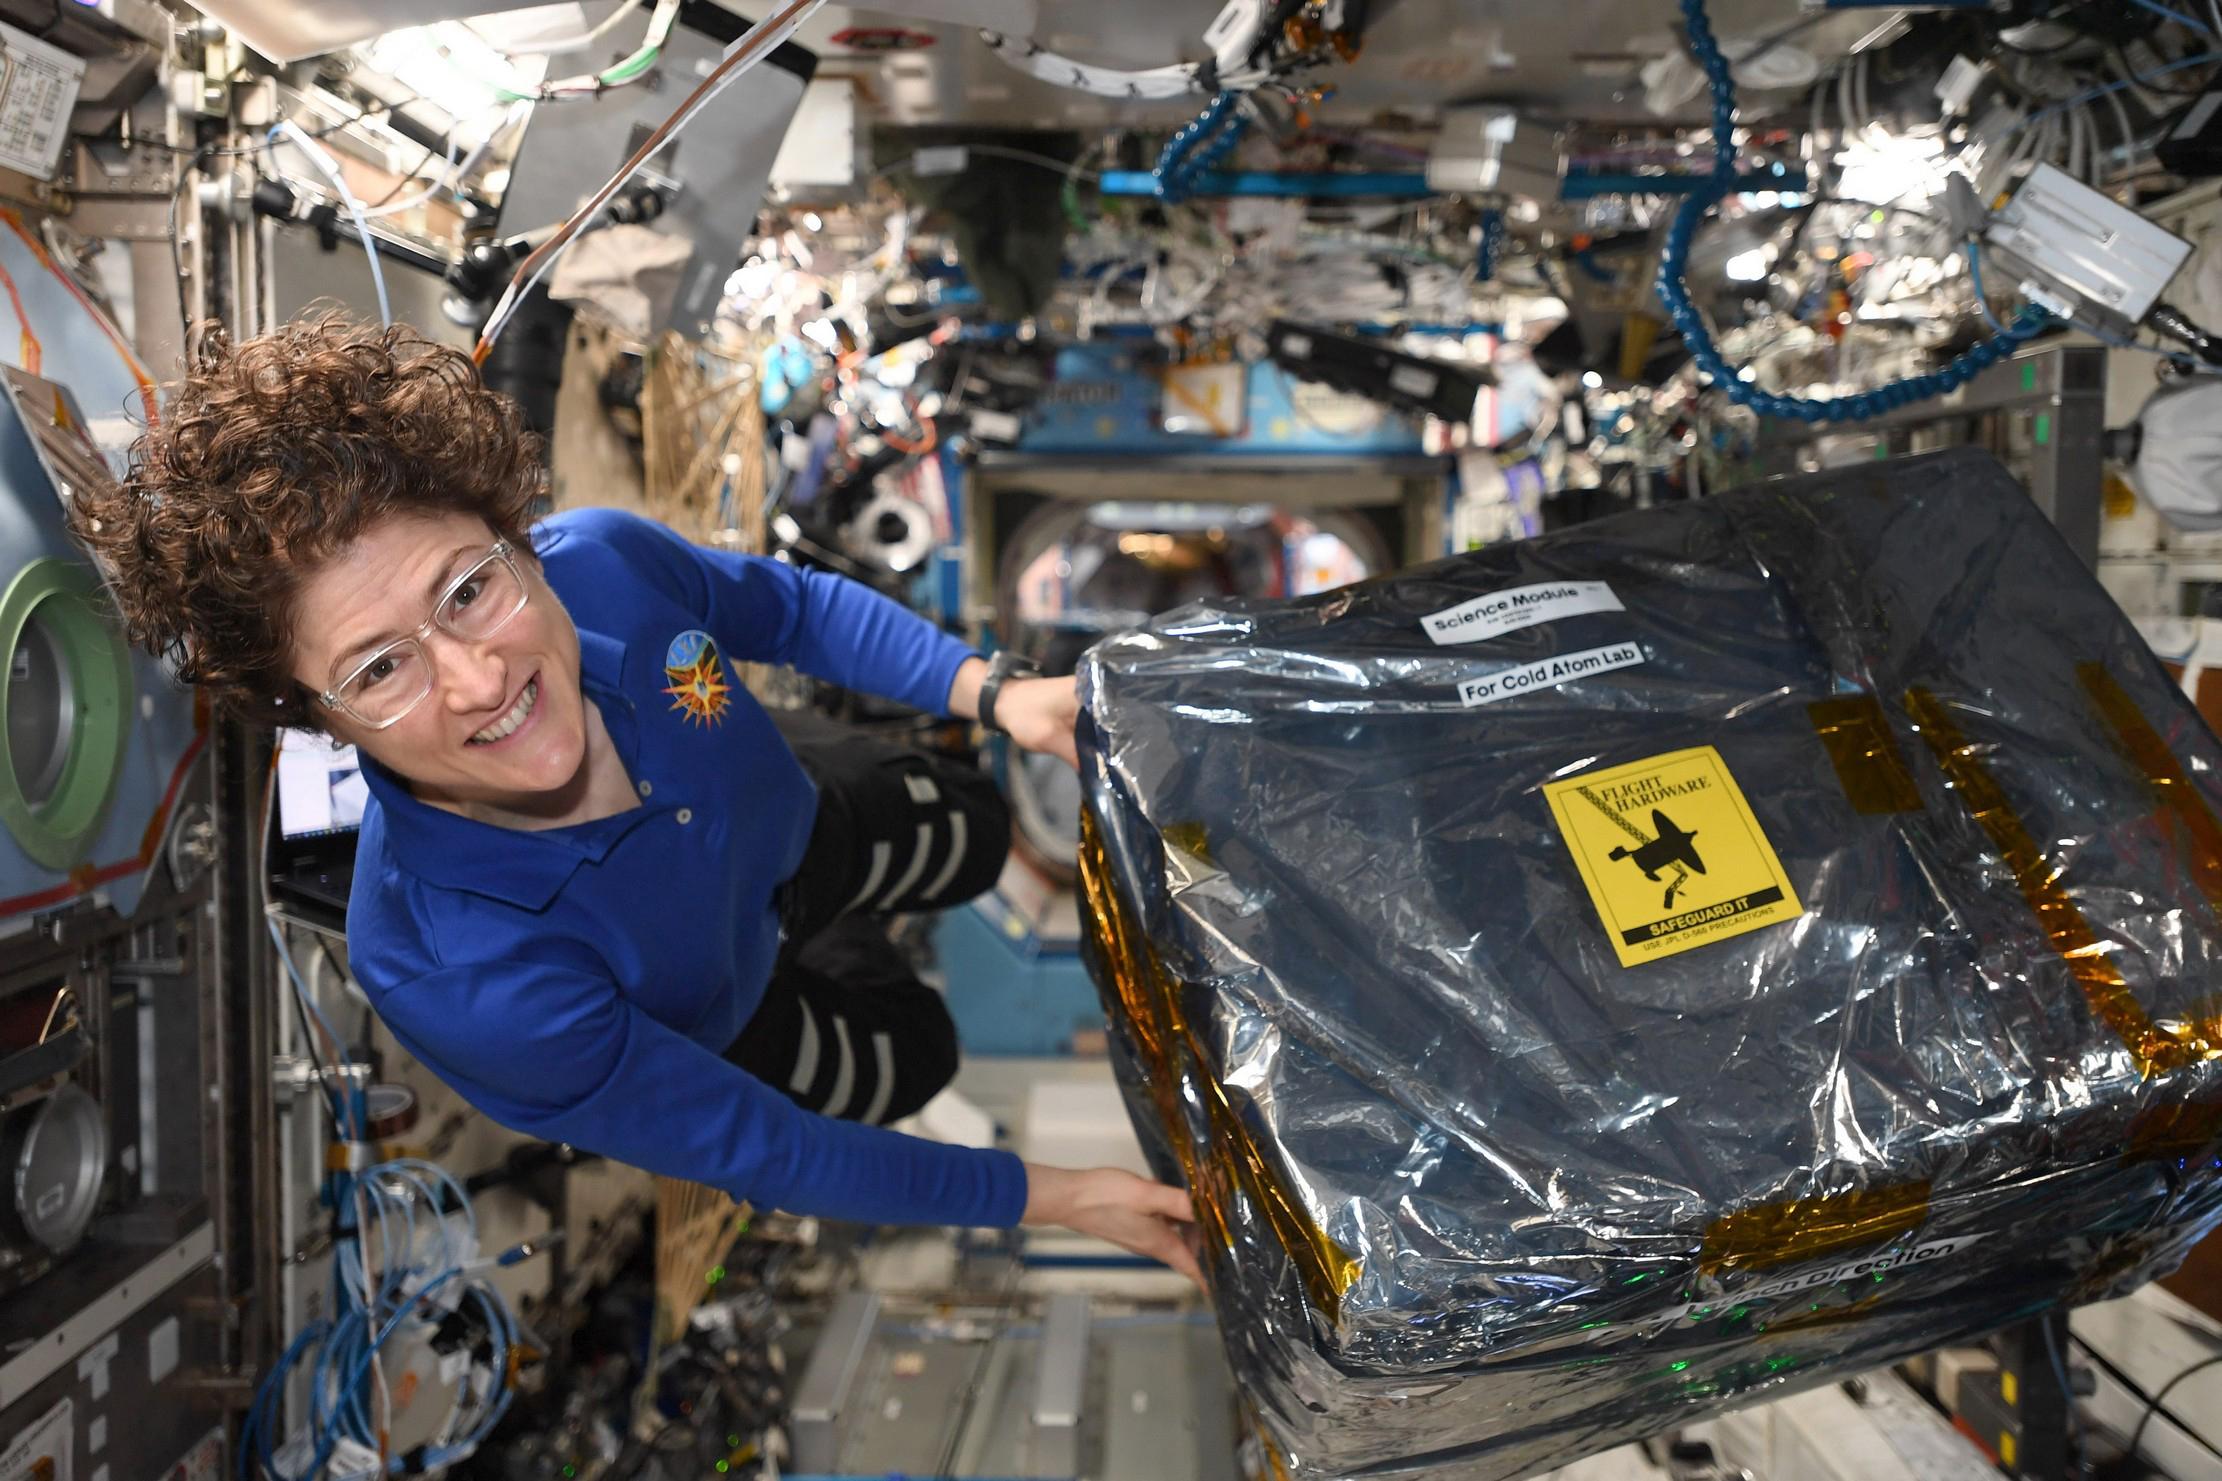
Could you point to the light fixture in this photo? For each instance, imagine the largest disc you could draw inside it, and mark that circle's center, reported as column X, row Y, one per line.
column 1748, row 267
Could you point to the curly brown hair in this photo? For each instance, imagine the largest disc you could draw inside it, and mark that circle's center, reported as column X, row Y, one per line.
column 271, row 457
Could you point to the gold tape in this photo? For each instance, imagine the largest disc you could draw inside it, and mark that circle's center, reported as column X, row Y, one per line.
column 2156, row 1051
column 1807, row 1228
column 1856, row 734
column 1149, row 1000
column 2164, row 1133
column 1272, row 1455
column 2150, row 754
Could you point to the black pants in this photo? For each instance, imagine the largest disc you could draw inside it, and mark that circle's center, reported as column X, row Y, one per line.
column 846, row 1028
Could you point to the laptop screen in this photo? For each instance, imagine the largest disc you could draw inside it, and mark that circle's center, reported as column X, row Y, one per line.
column 320, row 787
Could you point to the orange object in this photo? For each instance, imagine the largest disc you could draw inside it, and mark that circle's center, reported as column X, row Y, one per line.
column 107, row 327
column 30, row 342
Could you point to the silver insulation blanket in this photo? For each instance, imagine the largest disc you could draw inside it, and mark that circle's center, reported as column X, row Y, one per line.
column 1595, row 981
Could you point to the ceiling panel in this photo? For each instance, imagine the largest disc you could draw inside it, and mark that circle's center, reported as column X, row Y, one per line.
column 1573, row 61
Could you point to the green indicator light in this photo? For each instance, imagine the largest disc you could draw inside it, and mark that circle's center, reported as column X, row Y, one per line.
column 1878, row 1277
column 732, row 1442
column 723, row 1467
column 1679, row 1367
column 2044, row 429
column 2029, row 375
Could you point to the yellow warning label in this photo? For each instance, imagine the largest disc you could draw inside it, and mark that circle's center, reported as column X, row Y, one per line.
column 1671, row 854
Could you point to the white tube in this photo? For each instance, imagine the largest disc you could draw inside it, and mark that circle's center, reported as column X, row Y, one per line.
column 294, row 134
column 458, row 173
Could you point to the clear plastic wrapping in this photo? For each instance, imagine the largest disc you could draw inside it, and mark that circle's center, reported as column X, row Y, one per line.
column 1598, row 980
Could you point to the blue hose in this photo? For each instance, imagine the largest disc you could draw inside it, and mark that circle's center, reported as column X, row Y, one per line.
column 1198, row 146
column 1675, row 295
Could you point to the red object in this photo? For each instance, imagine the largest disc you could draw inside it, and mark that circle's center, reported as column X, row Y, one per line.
column 883, row 38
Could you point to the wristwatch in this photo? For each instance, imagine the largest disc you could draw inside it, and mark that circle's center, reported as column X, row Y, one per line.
column 1005, row 665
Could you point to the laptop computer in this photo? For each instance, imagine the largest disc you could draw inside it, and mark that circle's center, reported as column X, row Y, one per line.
column 321, row 794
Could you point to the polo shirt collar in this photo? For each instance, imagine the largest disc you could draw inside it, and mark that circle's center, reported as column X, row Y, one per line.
column 521, row 867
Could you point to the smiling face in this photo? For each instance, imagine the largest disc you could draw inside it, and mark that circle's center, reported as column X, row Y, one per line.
column 504, row 726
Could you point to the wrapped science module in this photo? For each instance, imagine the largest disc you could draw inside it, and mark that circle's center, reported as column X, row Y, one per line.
column 1592, row 982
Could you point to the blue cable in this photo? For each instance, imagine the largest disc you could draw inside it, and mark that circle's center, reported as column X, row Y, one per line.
column 1975, row 281
column 347, row 1345
column 1675, row 295
column 1198, row 146
column 2177, row 16
column 2093, row 94
column 308, row 1002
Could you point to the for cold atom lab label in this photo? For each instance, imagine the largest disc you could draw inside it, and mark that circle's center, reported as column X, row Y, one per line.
column 1671, row 854
column 1548, row 673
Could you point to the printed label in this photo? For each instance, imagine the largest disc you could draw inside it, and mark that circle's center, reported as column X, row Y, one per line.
column 47, row 1448
column 1548, row 673
column 1504, row 612
column 1670, row 854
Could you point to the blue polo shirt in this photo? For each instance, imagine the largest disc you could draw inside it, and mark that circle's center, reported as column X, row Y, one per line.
column 579, row 984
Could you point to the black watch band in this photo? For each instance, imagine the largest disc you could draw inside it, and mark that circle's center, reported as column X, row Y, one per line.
column 1005, row 665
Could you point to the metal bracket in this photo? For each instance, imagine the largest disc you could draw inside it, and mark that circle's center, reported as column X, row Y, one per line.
column 826, row 1382
column 1060, row 1385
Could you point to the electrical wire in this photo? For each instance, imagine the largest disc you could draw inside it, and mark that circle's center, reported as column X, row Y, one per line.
column 631, row 69
column 324, row 132
column 2152, row 1405
column 1074, row 167
column 1673, row 288
column 2053, row 1342
column 422, row 1257
column 401, row 182
column 457, row 173
column 2188, row 22
column 2045, row 115
column 743, row 54
column 1975, row 281
column 177, row 253
column 329, row 168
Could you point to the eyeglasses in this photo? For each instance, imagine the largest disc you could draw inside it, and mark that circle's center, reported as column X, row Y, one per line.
column 390, row 683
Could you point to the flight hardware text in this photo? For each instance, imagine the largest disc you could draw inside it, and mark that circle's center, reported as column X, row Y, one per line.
column 1646, row 792
column 1548, row 673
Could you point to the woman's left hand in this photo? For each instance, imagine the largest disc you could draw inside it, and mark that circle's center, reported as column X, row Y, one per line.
column 1040, row 715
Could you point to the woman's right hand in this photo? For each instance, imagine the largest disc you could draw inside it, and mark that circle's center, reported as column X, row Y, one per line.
column 1133, row 1213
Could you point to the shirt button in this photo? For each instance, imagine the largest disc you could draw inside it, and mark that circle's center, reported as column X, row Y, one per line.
column 686, row 814
column 646, row 788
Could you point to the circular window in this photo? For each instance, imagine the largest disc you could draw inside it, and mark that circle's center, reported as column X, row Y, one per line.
column 65, row 698
column 1075, row 572
column 42, row 714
